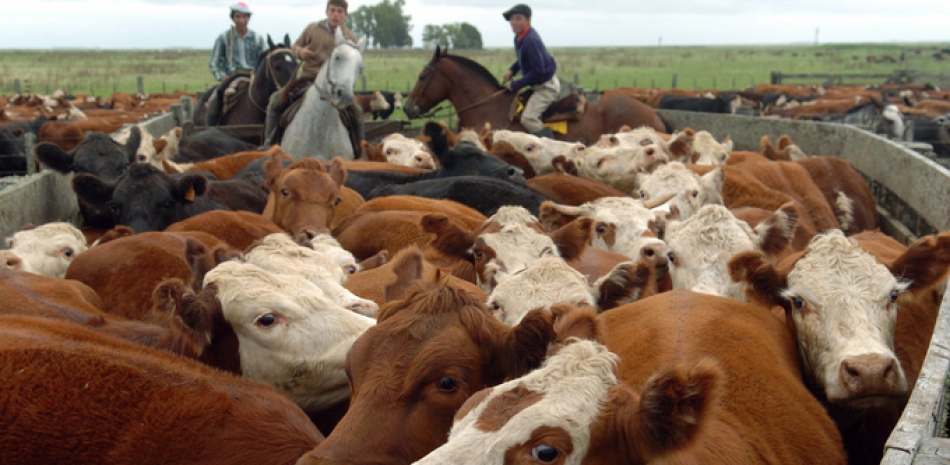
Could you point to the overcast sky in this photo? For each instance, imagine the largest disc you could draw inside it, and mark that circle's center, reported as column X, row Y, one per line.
column 195, row 23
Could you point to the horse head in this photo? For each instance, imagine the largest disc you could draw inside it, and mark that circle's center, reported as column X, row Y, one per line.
column 426, row 93
column 277, row 64
column 338, row 75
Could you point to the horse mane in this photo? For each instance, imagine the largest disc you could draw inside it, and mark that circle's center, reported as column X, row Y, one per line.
column 474, row 66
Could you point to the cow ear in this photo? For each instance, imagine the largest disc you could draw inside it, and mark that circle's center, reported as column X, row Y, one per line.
column 188, row 187
column 373, row 152
column 273, row 166
column 713, row 183
column 776, row 233
column 135, row 140
column 53, row 156
column 522, row 348
column 578, row 322
column 924, row 263
column 627, row 282
column 674, row 405
column 408, row 269
column 450, row 239
column 554, row 216
column 173, row 297
column 438, row 141
column 728, row 144
column 572, row 238
column 93, row 190
column 201, row 260
column 375, row 261
column 337, row 171
column 682, row 145
column 764, row 284
column 115, row 233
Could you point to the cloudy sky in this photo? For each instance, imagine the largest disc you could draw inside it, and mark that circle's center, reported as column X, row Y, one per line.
column 195, row 23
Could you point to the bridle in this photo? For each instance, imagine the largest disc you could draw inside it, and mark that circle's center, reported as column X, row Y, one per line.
column 434, row 112
column 330, row 63
column 269, row 68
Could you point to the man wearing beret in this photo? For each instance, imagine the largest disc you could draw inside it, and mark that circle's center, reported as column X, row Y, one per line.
column 235, row 51
column 537, row 69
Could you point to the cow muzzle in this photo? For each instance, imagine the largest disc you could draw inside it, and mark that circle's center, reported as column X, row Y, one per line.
column 871, row 379
column 11, row 260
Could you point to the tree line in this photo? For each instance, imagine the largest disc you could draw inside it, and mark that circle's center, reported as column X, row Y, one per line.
column 385, row 25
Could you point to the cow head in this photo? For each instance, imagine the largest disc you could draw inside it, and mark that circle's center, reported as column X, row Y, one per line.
column 144, row 198
column 290, row 335
column 690, row 190
column 400, row 150
column 842, row 304
column 409, row 374
column 708, row 151
column 303, row 196
column 700, row 247
column 45, row 250
column 504, row 250
column 618, row 166
column 539, row 152
column 98, row 155
column 574, row 409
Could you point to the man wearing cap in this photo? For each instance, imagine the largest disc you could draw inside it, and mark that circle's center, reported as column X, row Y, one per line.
column 235, row 51
column 313, row 48
column 237, row 48
column 537, row 69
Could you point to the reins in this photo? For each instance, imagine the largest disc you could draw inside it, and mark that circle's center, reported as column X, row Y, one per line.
column 269, row 68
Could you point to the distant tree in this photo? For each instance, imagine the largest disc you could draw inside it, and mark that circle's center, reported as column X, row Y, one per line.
column 362, row 22
column 467, row 37
column 435, row 35
column 383, row 24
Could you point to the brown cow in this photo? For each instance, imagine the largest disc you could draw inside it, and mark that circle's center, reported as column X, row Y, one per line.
column 411, row 372
column 463, row 215
column 110, row 402
column 65, row 134
column 863, row 310
column 303, row 196
column 566, row 189
column 237, row 229
column 224, row 167
column 662, row 388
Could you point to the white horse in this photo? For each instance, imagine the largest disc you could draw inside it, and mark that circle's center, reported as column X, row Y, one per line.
column 317, row 130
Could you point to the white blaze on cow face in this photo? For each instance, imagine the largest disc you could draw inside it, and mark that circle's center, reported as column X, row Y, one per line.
column 539, row 151
column 512, row 214
column 290, row 335
column 700, row 248
column 46, row 250
column 553, row 408
column 843, row 306
column 546, row 282
column 501, row 254
column 708, row 151
column 691, row 191
column 278, row 253
column 623, row 225
column 401, row 150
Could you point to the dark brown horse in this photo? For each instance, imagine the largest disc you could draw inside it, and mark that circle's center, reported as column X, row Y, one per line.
column 275, row 68
column 479, row 99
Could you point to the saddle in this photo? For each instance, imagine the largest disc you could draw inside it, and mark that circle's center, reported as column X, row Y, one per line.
column 568, row 108
column 291, row 99
column 232, row 94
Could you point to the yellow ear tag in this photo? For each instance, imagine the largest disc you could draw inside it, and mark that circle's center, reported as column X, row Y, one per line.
column 190, row 194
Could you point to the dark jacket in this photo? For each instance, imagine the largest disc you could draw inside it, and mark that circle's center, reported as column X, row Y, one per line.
column 535, row 63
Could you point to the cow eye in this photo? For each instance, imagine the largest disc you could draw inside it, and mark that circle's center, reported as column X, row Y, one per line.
column 672, row 257
column 478, row 254
column 723, row 157
column 694, row 194
column 495, row 306
column 337, row 201
column 643, row 194
column 894, row 295
column 798, row 302
column 447, row 384
column 645, row 142
column 168, row 204
column 389, row 151
column 142, row 159
column 68, row 252
column 284, row 192
column 601, row 228
column 266, row 320
column 529, row 148
column 544, row 453
column 350, row 269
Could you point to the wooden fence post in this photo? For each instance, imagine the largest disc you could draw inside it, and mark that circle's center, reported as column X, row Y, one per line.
column 752, row 82
column 695, row 84
column 16, row 86
column 733, row 83
column 363, row 79
column 29, row 141
column 140, row 83
column 577, row 81
column 675, row 77
column 714, row 84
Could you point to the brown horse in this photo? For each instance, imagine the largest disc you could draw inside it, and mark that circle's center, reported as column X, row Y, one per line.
column 480, row 99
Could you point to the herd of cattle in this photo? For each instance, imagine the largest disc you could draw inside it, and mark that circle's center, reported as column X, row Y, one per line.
column 485, row 297
column 897, row 104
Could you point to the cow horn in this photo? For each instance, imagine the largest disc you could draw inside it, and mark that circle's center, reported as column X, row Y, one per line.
column 653, row 203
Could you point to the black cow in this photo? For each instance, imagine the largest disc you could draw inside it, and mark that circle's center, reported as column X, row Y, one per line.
column 931, row 132
column 146, row 199
column 461, row 160
column 12, row 159
column 97, row 155
column 702, row 104
column 207, row 144
column 482, row 193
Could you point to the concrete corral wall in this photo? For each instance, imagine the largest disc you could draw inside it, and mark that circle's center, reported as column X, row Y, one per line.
column 49, row 196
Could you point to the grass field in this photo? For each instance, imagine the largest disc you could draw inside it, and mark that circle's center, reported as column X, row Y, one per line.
column 102, row 71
